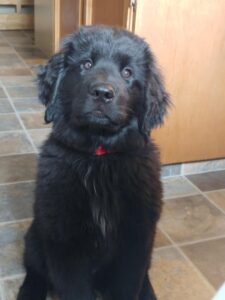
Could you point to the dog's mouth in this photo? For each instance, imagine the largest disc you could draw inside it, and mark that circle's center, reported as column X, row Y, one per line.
column 98, row 120
column 98, row 114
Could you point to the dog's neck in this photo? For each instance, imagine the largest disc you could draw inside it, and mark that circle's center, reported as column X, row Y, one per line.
column 125, row 140
column 101, row 150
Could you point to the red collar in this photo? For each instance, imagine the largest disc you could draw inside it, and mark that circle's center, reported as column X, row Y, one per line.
column 102, row 151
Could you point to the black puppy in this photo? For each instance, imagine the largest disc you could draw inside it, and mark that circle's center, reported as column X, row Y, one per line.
column 98, row 194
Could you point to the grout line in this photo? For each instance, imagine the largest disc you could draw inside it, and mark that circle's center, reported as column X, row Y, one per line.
column 15, row 221
column 163, row 247
column 202, row 240
column 206, row 196
column 12, row 131
column 14, row 153
column 17, row 182
column 22, row 60
column 31, row 113
column 13, row 113
column 218, row 190
column 181, row 196
column 170, row 176
column 20, row 111
column 187, row 259
column 26, row 65
column 19, row 118
column 7, row 113
column 24, row 98
column 31, row 84
column 40, row 129
column 181, row 244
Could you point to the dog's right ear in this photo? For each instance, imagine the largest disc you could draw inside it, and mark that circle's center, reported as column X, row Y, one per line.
column 49, row 78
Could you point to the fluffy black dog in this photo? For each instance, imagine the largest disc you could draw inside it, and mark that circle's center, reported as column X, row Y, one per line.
column 98, row 195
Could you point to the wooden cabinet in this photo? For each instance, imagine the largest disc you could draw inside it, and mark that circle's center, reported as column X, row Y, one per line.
column 53, row 20
column 56, row 18
column 113, row 13
column 188, row 38
column 13, row 17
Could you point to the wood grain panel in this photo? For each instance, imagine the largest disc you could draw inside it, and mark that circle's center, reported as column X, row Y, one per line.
column 14, row 21
column 46, row 20
column 108, row 12
column 70, row 16
column 8, row 2
column 188, row 38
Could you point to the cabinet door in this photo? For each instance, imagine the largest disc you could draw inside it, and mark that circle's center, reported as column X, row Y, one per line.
column 110, row 12
column 188, row 38
column 54, row 20
column 46, row 15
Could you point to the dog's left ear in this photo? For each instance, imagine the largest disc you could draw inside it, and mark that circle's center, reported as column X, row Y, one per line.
column 49, row 78
column 157, row 98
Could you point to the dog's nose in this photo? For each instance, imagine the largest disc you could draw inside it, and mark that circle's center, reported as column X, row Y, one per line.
column 104, row 92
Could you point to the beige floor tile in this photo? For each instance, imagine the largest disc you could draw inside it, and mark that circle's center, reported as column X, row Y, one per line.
column 35, row 61
column 192, row 218
column 11, row 248
column 16, row 201
column 27, row 105
column 18, row 168
column 6, row 49
column 5, row 106
column 173, row 278
column 12, row 81
column 2, row 93
column 209, row 181
column 209, row 257
column 3, row 42
column 39, row 136
column 14, row 143
column 161, row 240
column 177, row 186
column 13, row 33
column 29, row 33
column 29, row 53
column 22, row 91
column 18, row 40
column 9, row 122
column 12, row 71
column 10, row 60
column 218, row 197
column 11, row 287
column 34, row 120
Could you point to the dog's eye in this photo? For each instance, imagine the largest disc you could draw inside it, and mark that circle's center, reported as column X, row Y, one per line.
column 126, row 73
column 87, row 64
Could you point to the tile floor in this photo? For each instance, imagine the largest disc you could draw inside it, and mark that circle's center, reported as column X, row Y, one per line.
column 189, row 256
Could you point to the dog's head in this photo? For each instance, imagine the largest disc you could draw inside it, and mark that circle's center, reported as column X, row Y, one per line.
column 102, row 79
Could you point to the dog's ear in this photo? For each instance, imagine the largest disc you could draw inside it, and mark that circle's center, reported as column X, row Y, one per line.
column 49, row 78
column 157, row 98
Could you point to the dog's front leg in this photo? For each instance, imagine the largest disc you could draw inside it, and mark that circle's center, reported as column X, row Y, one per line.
column 69, row 274
column 126, row 278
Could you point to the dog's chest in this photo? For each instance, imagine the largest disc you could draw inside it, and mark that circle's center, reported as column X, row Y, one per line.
column 101, row 182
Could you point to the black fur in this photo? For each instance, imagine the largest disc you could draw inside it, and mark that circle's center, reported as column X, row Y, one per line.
column 95, row 216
